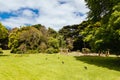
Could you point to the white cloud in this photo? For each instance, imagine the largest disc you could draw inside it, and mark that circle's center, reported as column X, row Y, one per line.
column 28, row 13
column 51, row 12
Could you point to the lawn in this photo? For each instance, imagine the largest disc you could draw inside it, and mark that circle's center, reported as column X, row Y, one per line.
column 57, row 67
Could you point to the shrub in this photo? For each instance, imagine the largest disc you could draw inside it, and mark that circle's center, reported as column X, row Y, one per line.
column 52, row 50
column 1, row 51
column 53, row 42
column 13, row 50
column 16, row 50
column 19, row 52
column 42, row 47
column 32, row 51
column 22, row 48
column 86, row 50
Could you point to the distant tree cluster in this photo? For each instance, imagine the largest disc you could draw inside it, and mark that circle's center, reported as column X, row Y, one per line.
column 30, row 39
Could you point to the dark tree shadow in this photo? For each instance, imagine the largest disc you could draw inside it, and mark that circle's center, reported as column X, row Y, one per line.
column 3, row 55
column 112, row 63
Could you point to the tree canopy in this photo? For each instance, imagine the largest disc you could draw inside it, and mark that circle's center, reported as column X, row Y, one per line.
column 3, row 37
column 100, row 8
column 106, row 15
column 34, row 38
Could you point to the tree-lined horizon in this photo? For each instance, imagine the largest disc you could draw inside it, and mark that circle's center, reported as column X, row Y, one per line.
column 99, row 33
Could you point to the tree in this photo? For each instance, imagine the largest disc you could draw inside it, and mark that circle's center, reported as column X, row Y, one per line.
column 62, row 42
column 52, row 33
column 31, row 36
column 105, row 37
column 13, row 39
column 53, row 45
column 72, row 33
column 42, row 48
column 69, row 43
column 114, row 30
column 3, row 37
column 53, row 42
column 100, row 9
column 89, row 34
column 43, row 31
column 25, row 38
column 32, row 39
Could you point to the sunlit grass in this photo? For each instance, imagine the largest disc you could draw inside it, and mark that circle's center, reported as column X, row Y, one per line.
column 52, row 67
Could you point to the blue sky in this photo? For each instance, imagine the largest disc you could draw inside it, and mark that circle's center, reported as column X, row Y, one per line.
column 7, row 15
column 50, row 13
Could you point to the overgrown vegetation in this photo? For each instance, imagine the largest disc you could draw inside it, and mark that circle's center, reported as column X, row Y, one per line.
column 33, row 39
column 101, row 32
column 104, row 30
column 1, row 51
column 3, row 37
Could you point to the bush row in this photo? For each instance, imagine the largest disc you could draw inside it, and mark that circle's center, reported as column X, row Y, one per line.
column 1, row 51
column 49, row 51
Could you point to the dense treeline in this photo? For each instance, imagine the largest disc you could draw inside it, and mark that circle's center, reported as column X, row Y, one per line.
column 30, row 39
column 99, row 33
column 106, row 15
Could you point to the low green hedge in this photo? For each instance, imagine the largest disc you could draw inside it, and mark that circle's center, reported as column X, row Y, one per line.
column 1, row 51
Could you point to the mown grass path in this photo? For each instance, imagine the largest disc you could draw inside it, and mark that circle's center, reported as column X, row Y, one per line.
column 53, row 67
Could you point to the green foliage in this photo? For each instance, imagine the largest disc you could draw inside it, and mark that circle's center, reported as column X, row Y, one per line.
column 13, row 38
column 100, row 8
column 52, row 32
column 42, row 47
column 3, row 32
column 69, row 42
column 24, row 39
column 53, row 42
column 89, row 34
column 62, row 42
column 32, row 51
column 1, row 51
column 72, row 35
column 52, row 50
column 53, row 45
column 107, row 36
column 14, row 50
column 114, row 30
column 33, row 39
column 3, row 37
column 103, row 32
column 22, row 48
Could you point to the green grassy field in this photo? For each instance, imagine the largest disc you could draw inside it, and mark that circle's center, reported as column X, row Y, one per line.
column 57, row 67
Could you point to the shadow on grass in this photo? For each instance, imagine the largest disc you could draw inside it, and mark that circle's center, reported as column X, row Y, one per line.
column 112, row 63
column 3, row 55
